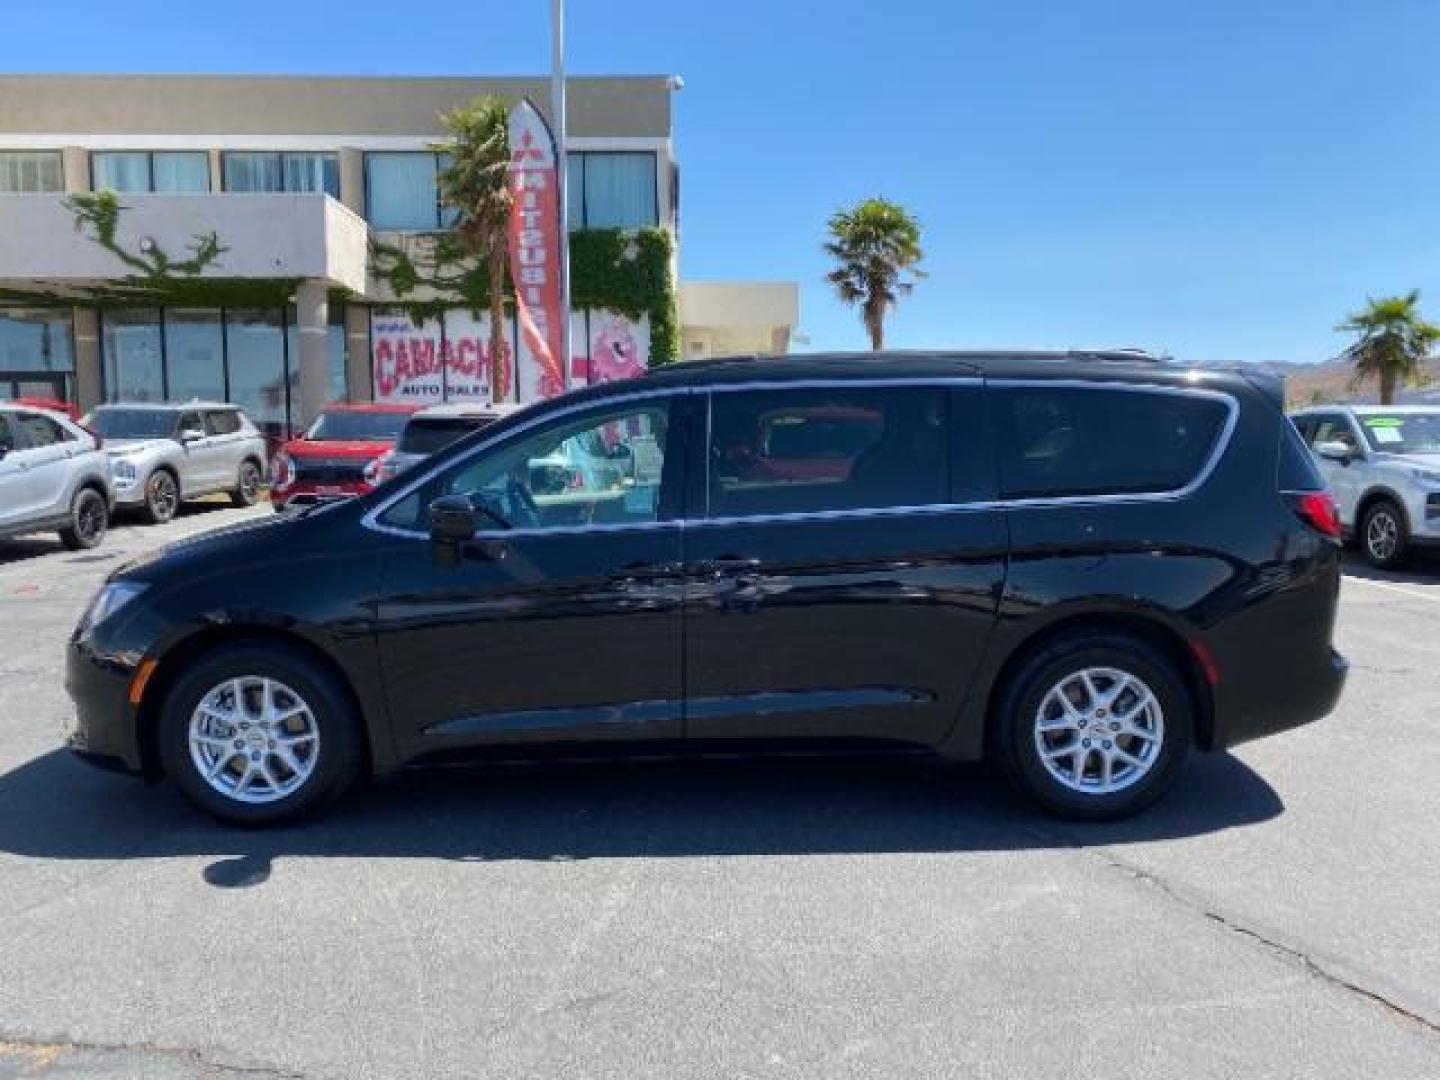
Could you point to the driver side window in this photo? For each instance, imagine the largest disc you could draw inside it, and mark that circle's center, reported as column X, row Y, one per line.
column 604, row 468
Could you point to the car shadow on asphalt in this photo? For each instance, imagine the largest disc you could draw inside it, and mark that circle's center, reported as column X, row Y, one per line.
column 55, row 807
column 1422, row 567
column 20, row 548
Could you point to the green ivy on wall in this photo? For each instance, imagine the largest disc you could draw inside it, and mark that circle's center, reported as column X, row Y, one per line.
column 624, row 271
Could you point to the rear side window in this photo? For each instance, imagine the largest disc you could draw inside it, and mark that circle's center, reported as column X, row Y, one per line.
column 222, row 422
column 431, row 435
column 811, row 451
column 1062, row 441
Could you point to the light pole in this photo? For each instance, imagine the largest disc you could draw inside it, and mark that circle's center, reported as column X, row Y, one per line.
column 562, row 172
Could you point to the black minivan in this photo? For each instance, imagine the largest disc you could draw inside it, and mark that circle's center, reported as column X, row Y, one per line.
column 1078, row 564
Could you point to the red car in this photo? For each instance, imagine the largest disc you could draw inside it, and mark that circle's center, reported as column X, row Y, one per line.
column 64, row 408
column 338, row 456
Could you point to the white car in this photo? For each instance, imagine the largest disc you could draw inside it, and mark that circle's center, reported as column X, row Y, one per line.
column 165, row 454
column 432, row 429
column 1384, row 467
column 53, row 475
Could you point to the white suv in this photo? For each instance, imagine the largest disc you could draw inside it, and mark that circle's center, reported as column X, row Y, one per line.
column 53, row 475
column 1384, row 466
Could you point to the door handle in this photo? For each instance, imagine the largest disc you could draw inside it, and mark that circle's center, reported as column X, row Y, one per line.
column 633, row 570
column 730, row 564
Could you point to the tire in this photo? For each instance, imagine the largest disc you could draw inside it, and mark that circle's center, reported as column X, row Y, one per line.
column 162, row 497
column 89, row 519
column 256, row 767
column 1033, row 699
column 247, row 487
column 1384, row 535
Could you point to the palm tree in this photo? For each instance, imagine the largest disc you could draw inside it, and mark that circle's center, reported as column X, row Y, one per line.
column 1393, row 344
column 476, row 184
column 874, row 244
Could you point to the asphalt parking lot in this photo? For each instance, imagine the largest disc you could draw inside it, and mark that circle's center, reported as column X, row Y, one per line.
column 1275, row 917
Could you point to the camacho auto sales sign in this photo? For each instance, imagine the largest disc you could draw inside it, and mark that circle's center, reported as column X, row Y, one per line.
column 534, row 244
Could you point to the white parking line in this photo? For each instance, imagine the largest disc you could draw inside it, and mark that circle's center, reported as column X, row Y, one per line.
column 1434, row 598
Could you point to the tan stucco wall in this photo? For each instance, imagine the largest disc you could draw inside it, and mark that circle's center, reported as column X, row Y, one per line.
column 620, row 106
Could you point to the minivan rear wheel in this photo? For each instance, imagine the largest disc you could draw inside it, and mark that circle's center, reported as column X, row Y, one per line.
column 1384, row 534
column 1095, row 727
column 256, row 734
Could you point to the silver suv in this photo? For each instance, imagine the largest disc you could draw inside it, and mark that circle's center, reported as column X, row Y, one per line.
column 1384, row 466
column 53, row 475
column 164, row 454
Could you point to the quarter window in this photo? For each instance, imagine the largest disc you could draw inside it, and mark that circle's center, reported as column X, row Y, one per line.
column 1059, row 441
column 812, row 451
column 603, row 469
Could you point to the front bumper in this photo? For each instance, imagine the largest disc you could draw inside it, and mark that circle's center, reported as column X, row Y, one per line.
column 103, row 730
column 298, row 495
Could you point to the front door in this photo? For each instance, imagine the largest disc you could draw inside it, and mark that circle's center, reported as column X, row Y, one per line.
column 846, row 577
column 562, row 622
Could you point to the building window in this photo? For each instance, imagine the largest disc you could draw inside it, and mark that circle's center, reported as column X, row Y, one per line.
column 255, row 352
column 35, row 339
column 194, row 356
column 29, row 171
column 402, row 191
column 612, row 190
column 249, row 358
column 267, row 171
column 151, row 170
column 134, row 369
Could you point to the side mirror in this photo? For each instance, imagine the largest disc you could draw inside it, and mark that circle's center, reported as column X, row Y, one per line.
column 453, row 520
column 1335, row 450
column 190, row 435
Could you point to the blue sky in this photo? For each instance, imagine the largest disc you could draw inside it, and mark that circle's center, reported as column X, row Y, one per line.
column 1221, row 179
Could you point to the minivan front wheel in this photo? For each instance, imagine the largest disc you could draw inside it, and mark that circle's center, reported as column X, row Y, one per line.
column 1384, row 534
column 256, row 735
column 1096, row 728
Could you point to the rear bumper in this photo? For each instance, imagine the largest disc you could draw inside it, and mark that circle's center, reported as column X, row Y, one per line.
column 1303, row 697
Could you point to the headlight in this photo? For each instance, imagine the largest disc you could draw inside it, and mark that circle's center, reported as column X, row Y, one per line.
column 1426, row 476
column 113, row 596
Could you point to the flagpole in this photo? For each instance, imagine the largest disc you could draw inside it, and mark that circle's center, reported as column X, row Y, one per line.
column 562, row 173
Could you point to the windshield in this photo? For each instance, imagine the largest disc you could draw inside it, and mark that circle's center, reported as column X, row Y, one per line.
column 430, row 435
column 1403, row 433
column 357, row 426
column 131, row 423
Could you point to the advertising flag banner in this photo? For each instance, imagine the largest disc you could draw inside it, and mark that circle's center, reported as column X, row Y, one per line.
column 534, row 247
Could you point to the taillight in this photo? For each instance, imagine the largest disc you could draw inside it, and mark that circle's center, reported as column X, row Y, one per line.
column 1317, row 509
column 282, row 472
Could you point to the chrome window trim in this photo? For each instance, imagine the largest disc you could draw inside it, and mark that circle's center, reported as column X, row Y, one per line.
column 1222, row 444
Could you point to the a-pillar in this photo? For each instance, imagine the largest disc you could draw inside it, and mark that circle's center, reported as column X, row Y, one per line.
column 312, row 319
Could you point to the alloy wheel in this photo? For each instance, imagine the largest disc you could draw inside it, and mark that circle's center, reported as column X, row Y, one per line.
column 164, row 497
column 1382, row 535
column 249, row 482
column 254, row 740
column 1099, row 730
column 90, row 517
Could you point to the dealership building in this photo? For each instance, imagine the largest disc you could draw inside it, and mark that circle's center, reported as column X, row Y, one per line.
column 257, row 244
